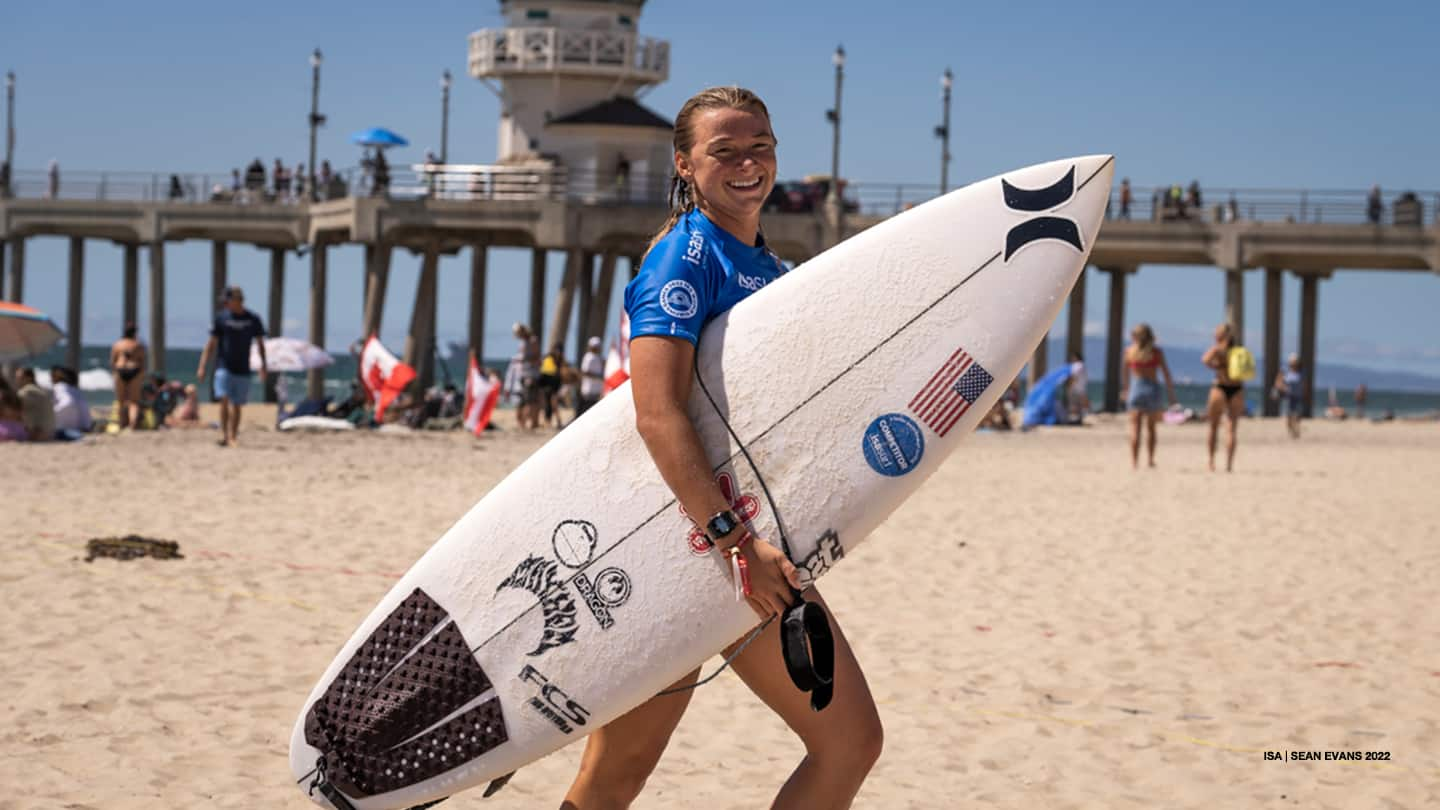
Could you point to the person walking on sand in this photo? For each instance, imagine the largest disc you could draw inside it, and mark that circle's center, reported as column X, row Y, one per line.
column 1140, row 377
column 1227, row 396
column 592, row 377
column 1288, row 387
column 233, row 329
column 724, row 168
column 552, row 370
column 127, row 363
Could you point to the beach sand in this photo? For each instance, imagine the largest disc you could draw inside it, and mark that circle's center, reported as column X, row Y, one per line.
column 1041, row 626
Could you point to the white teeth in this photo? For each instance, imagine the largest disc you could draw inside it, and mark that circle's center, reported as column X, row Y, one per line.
column 750, row 184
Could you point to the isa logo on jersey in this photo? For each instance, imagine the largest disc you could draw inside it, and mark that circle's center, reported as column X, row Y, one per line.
column 679, row 300
column 893, row 445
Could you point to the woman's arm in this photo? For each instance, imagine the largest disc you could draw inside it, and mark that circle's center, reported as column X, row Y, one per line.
column 661, row 370
column 1169, row 381
column 1124, row 371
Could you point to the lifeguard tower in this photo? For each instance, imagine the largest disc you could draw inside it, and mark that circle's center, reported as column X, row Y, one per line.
column 568, row 74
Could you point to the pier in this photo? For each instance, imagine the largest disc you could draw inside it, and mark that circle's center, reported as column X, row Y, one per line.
column 583, row 167
column 443, row 210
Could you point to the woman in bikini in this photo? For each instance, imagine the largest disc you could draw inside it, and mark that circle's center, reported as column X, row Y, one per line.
column 1139, row 375
column 127, row 361
column 1227, row 396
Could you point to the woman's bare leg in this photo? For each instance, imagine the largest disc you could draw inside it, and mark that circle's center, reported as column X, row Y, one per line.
column 132, row 396
column 619, row 757
column 1214, row 412
column 1150, row 419
column 1135, row 417
column 1236, row 410
column 842, row 742
column 122, row 407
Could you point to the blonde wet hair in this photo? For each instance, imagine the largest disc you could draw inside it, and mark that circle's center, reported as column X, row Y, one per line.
column 1144, row 342
column 680, row 197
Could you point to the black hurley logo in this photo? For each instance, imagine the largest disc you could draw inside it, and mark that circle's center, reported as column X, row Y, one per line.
column 1037, row 228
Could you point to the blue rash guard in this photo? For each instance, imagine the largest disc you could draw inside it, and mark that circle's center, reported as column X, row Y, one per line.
column 696, row 272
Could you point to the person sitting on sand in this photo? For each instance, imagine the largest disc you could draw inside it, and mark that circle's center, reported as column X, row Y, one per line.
column 998, row 418
column 188, row 414
column 1333, row 408
column 1140, row 371
column 37, row 410
column 72, row 414
column 1227, row 396
column 1077, row 395
column 12, row 425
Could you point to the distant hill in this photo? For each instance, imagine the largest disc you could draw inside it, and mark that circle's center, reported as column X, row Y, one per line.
column 1185, row 365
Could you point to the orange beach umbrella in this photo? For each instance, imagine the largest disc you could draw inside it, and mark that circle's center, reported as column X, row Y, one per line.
column 25, row 331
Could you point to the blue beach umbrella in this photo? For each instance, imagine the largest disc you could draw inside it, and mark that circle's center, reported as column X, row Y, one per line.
column 378, row 137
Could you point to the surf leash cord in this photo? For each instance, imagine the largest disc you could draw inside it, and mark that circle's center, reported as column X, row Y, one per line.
column 805, row 638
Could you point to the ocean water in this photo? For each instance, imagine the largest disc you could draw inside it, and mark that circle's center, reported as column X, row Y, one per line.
column 180, row 365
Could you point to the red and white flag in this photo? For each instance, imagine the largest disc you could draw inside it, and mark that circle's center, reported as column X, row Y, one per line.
column 383, row 375
column 481, row 394
column 617, row 362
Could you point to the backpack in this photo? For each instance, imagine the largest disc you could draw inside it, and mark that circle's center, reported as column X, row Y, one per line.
column 1240, row 364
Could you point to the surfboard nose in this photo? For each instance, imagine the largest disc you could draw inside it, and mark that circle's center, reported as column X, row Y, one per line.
column 1094, row 176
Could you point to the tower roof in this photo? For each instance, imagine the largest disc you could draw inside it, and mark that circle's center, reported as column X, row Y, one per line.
column 618, row 111
column 628, row 3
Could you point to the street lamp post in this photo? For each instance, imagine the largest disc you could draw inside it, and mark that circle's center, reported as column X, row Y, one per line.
column 834, row 116
column 10, row 119
column 943, row 131
column 445, row 116
column 834, row 203
column 316, row 120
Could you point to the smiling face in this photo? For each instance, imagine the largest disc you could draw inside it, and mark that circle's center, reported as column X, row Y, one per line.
column 730, row 167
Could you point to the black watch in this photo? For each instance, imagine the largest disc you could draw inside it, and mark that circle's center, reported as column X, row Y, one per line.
column 721, row 525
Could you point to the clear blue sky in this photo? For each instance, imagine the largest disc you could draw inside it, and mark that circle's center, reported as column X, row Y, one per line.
column 1292, row 94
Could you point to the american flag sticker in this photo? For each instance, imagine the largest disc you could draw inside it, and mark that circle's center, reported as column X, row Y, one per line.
column 950, row 392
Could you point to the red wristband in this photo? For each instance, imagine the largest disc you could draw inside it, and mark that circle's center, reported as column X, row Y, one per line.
column 739, row 567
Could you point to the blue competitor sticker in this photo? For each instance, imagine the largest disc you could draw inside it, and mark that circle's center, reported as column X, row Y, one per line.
column 893, row 444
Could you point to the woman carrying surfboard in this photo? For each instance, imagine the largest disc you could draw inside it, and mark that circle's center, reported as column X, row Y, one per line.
column 708, row 256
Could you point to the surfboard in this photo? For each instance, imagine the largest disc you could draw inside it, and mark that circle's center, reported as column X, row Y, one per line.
column 577, row 588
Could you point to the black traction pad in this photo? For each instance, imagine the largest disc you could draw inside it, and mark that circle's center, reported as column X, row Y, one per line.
column 389, row 718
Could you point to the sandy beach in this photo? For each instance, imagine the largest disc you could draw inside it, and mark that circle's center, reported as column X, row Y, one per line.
column 1041, row 626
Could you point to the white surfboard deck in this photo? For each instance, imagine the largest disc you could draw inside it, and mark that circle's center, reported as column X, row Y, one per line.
column 538, row 618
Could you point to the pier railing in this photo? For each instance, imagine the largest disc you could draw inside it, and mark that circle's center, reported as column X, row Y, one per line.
column 500, row 51
column 462, row 182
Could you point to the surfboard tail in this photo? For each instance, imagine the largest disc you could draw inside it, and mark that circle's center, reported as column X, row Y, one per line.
column 410, row 704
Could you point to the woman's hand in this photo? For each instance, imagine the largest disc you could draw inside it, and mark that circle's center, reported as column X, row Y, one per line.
column 772, row 577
